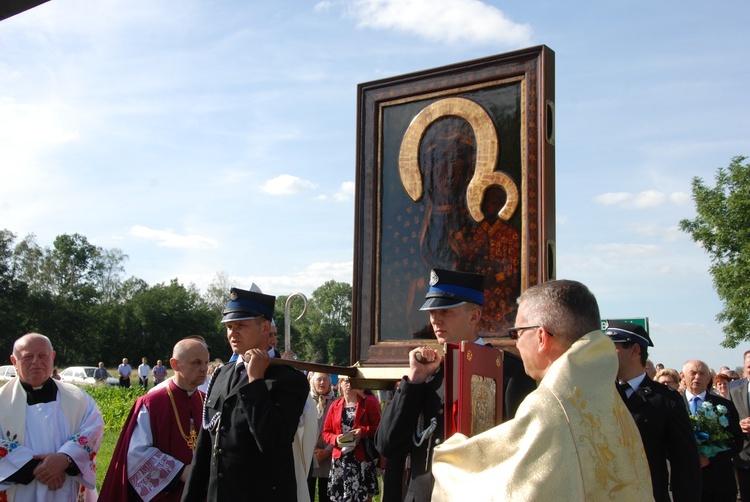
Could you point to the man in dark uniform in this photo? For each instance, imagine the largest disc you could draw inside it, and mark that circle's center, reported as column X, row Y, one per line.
column 412, row 424
column 251, row 414
column 661, row 417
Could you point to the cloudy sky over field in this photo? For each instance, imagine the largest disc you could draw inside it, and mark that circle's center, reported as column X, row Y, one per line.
column 203, row 137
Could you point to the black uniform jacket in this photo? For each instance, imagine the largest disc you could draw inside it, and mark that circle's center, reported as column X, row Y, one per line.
column 247, row 453
column 662, row 419
column 395, row 435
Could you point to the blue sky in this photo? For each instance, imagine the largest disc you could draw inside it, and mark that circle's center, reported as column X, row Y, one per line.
column 204, row 137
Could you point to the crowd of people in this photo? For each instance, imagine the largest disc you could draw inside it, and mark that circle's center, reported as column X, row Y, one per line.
column 586, row 416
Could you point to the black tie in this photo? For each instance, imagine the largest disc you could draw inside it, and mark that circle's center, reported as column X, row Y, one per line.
column 622, row 388
column 239, row 371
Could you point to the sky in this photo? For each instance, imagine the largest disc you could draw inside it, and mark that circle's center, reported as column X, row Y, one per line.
column 204, row 137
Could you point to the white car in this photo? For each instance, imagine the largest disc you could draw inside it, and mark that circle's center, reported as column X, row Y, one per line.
column 7, row 373
column 84, row 375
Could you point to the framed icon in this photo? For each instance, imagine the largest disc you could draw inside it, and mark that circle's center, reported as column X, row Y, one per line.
column 455, row 170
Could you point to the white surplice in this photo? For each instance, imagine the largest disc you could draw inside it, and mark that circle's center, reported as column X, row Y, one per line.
column 71, row 424
column 145, row 458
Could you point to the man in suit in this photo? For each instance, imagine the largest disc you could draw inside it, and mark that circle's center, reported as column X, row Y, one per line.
column 738, row 394
column 412, row 424
column 717, row 472
column 251, row 414
column 661, row 417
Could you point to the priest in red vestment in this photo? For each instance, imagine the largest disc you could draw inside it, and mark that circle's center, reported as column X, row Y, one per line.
column 152, row 457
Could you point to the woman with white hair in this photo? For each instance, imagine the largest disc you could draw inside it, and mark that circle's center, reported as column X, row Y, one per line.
column 322, row 393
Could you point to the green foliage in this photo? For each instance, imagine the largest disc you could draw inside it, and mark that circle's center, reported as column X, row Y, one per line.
column 74, row 293
column 324, row 334
column 114, row 404
column 722, row 227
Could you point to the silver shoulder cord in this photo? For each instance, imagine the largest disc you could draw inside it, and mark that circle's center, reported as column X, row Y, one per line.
column 420, row 434
column 211, row 425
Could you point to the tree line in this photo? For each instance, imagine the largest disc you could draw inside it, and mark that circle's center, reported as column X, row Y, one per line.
column 78, row 295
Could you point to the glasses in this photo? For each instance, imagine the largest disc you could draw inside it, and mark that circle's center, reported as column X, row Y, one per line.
column 515, row 331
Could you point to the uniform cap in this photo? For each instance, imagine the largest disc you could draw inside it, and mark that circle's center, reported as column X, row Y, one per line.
column 450, row 289
column 624, row 332
column 243, row 305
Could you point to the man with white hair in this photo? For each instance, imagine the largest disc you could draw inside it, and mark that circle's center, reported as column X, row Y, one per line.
column 717, row 472
column 51, row 430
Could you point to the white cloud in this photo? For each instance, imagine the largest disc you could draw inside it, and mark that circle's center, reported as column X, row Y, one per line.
column 286, row 184
column 672, row 270
column 167, row 238
column 28, row 130
column 680, row 198
column 617, row 252
column 645, row 199
column 451, row 21
column 346, row 192
column 305, row 280
column 611, row 198
column 325, row 5
column 656, row 231
column 649, row 198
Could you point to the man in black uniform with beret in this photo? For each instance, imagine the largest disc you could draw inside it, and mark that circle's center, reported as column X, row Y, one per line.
column 661, row 417
column 412, row 424
column 251, row 414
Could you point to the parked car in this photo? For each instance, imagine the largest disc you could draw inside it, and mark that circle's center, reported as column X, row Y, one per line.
column 84, row 375
column 7, row 373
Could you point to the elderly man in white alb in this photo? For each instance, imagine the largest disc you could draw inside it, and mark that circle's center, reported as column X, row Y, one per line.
column 51, row 431
column 572, row 438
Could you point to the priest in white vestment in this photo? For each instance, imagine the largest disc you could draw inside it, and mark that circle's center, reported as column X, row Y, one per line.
column 572, row 438
column 51, row 431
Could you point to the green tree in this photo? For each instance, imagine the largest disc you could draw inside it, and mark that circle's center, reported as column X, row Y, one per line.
column 13, row 297
column 157, row 317
column 27, row 262
column 217, row 292
column 72, row 268
column 325, row 331
column 722, row 227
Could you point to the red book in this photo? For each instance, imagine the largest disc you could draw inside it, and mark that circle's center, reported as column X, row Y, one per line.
column 473, row 388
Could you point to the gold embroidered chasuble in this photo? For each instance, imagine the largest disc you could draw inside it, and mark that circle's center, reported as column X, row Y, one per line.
column 571, row 439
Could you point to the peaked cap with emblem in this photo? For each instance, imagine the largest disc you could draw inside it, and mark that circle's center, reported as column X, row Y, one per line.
column 450, row 289
column 625, row 332
column 243, row 305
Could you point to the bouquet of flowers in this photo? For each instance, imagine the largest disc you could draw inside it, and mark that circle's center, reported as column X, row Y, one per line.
column 710, row 429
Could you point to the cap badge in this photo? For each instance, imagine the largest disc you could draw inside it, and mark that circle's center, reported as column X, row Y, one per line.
column 233, row 295
column 434, row 279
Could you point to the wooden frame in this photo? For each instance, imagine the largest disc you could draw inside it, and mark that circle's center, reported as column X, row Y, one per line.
column 455, row 169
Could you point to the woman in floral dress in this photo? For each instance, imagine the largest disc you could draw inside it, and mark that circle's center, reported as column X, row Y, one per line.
column 353, row 478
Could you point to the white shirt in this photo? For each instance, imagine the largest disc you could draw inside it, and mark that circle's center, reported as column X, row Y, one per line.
column 634, row 384
column 144, row 370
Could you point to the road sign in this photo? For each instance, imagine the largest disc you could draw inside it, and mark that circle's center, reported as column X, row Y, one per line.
column 640, row 321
